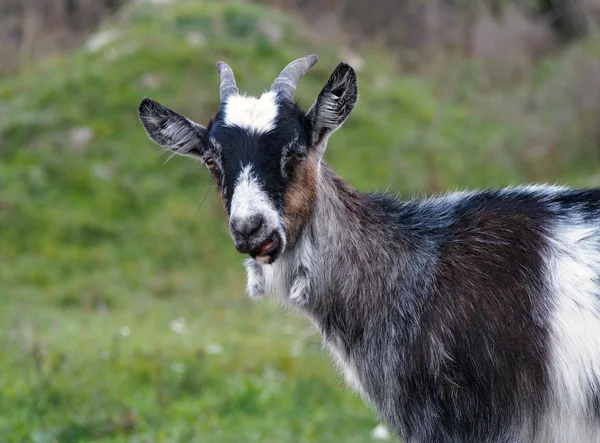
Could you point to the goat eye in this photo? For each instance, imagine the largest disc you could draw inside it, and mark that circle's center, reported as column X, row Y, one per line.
column 209, row 162
column 299, row 156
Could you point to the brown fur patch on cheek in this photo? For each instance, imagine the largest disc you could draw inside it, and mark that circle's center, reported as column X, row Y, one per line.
column 300, row 197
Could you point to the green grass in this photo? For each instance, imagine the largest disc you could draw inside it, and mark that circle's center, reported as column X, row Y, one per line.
column 103, row 247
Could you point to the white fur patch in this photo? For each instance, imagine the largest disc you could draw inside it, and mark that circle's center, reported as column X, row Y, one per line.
column 299, row 292
column 249, row 200
column 255, row 286
column 574, row 268
column 256, row 114
column 348, row 368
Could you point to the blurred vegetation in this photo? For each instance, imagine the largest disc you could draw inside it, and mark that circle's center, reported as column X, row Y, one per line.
column 123, row 315
column 32, row 28
column 419, row 26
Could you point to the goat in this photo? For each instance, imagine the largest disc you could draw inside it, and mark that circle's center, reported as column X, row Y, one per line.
column 468, row 318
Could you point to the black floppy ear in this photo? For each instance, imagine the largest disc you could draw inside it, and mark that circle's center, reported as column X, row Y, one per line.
column 171, row 130
column 334, row 103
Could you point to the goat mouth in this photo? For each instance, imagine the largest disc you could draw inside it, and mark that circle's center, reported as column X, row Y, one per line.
column 268, row 251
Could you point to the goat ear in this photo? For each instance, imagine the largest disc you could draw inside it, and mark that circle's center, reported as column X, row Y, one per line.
column 334, row 103
column 171, row 130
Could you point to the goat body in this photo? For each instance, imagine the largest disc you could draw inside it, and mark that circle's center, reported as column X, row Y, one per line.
column 467, row 318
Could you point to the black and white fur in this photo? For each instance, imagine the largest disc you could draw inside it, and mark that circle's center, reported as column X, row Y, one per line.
column 469, row 318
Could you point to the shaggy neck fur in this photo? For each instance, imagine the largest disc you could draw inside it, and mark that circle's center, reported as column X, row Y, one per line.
column 384, row 281
column 468, row 318
column 333, row 273
column 350, row 231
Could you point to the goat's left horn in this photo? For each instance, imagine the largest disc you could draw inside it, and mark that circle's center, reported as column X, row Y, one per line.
column 285, row 84
column 228, row 86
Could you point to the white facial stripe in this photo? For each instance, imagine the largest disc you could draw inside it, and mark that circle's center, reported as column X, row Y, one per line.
column 248, row 197
column 249, row 200
column 256, row 114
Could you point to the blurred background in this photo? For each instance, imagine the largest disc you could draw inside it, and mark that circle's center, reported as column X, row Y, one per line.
column 123, row 315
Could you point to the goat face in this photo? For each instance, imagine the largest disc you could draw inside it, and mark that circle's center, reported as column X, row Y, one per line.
column 263, row 153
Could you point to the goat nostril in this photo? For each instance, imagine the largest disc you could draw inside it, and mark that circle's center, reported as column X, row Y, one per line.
column 247, row 227
column 256, row 224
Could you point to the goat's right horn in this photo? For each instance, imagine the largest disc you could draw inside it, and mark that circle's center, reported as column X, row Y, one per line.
column 285, row 84
column 228, row 86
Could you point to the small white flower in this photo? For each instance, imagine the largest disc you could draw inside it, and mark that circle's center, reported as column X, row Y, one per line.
column 178, row 325
column 380, row 432
column 214, row 349
column 124, row 331
column 178, row 367
column 79, row 137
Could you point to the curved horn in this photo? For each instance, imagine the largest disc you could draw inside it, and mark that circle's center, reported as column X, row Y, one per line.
column 285, row 84
column 228, row 85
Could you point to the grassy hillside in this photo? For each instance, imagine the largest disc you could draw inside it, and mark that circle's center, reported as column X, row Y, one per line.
column 123, row 315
